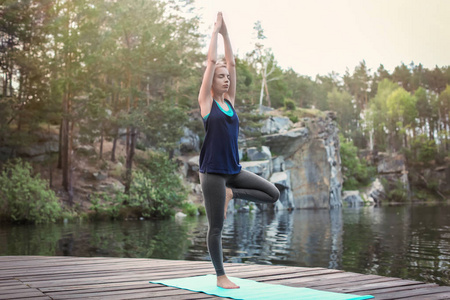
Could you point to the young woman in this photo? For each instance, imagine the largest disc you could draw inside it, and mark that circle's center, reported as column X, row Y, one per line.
column 221, row 176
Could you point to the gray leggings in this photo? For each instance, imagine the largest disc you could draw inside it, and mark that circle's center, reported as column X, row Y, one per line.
column 245, row 185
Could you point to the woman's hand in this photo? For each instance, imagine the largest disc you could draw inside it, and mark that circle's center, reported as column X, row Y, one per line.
column 223, row 29
column 219, row 23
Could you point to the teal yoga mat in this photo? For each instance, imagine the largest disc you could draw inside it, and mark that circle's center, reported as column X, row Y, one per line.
column 250, row 289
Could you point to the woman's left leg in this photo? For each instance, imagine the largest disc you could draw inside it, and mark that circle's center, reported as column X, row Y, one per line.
column 249, row 186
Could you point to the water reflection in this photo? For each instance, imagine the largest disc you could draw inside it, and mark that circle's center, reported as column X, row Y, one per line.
column 406, row 241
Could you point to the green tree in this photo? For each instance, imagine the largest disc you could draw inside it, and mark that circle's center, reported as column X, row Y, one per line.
column 402, row 113
column 425, row 111
column 356, row 172
column 402, row 76
column 341, row 102
column 377, row 117
column 358, row 85
column 378, row 76
column 444, row 114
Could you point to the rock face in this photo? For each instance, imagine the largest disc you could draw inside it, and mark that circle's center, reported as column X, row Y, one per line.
column 392, row 167
column 353, row 198
column 312, row 158
column 375, row 192
column 303, row 162
column 276, row 125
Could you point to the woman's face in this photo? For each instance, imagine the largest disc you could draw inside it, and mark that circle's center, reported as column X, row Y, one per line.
column 221, row 80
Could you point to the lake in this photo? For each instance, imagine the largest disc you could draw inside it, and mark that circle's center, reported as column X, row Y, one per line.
column 408, row 241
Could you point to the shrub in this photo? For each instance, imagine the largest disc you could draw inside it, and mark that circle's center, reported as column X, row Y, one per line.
column 289, row 104
column 190, row 209
column 105, row 206
column 356, row 172
column 395, row 192
column 292, row 117
column 423, row 150
column 157, row 189
column 26, row 198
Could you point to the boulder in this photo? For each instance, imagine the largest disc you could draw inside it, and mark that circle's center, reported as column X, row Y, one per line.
column 375, row 192
column 287, row 143
column 278, row 164
column 38, row 149
column 276, row 125
column 99, row 176
column 253, row 154
column 353, row 198
column 282, row 181
column 261, row 168
column 194, row 163
column 390, row 163
column 190, row 141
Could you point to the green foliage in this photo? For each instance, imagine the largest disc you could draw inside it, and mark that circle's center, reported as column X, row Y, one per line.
column 293, row 117
column 356, row 172
column 202, row 210
column 423, row 150
column 395, row 192
column 341, row 102
column 190, row 209
column 289, row 104
column 24, row 197
column 104, row 205
column 162, row 122
column 156, row 189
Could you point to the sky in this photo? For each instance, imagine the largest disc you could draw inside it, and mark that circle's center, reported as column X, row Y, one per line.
column 320, row 36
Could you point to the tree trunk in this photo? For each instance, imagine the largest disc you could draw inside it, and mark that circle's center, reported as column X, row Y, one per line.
column 261, row 95
column 101, row 142
column 59, row 166
column 129, row 162
column 65, row 145
column 113, row 152
column 269, row 104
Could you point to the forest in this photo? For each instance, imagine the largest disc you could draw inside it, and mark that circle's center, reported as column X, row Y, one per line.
column 103, row 70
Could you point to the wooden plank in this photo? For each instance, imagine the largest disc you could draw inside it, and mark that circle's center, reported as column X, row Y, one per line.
column 127, row 294
column 25, row 294
column 376, row 285
column 378, row 291
column 13, row 290
column 438, row 296
column 293, row 276
column 123, row 278
column 31, row 266
column 146, row 279
column 9, row 282
column 144, row 276
column 110, row 271
column 426, row 292
column 111, row 286
column 33, row 298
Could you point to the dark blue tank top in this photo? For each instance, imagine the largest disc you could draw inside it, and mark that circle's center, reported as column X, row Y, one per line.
column 219, row 152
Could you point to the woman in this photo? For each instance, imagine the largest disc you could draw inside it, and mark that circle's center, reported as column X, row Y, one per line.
column 221, row 176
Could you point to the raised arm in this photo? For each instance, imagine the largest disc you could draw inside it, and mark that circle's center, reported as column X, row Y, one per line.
column 204, row 96
column 231, row 64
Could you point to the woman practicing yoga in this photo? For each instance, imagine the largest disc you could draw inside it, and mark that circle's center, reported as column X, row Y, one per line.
column 221, row 176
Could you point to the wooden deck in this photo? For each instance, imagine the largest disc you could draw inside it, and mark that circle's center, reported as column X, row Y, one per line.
column 62, row 277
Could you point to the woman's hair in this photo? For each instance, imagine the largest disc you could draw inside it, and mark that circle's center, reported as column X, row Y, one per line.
column 221, row 63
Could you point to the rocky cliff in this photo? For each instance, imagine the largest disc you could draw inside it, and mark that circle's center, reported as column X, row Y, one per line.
column 301, row 159
column 310, row 151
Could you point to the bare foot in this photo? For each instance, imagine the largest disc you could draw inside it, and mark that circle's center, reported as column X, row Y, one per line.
column 224, row 282
column 228, row 197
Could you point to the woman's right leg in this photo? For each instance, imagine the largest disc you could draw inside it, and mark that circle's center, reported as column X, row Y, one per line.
column 213, row 186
